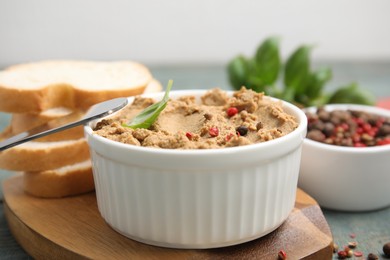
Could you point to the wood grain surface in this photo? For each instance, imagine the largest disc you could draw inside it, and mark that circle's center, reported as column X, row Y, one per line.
column 72, row 228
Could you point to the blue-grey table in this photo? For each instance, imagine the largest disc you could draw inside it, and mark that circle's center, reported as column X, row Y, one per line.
column 371, row 229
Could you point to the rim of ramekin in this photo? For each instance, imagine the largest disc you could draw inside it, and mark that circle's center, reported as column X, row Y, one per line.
column 298, row 113
column 344, row 149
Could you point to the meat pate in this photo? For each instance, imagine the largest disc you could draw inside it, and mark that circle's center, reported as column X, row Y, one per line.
column 218, row 121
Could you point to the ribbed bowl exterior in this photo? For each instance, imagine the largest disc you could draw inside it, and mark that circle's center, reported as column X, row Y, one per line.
column 196, row 209
column 327, row 170
column 197, row 198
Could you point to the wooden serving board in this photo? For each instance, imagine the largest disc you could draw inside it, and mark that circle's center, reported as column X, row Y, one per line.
column 72, row 228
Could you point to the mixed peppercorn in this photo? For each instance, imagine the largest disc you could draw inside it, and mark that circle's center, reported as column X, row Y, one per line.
column 349, row 251
column 214, row 131
column 348, row 128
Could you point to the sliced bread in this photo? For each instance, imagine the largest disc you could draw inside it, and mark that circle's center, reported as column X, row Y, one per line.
column 153, row 86
column 66, row 181
column 21, row 122
column 53, row 151
column 41, row 156
column 36, row 87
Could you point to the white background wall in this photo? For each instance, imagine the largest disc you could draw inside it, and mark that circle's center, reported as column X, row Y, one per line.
column 201, row 31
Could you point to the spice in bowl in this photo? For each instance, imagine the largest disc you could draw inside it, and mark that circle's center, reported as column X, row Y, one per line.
column 348, row 128
column 347, row 143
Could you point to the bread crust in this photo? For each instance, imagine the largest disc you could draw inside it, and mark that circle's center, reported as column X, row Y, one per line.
column 20, row 101
column 26, row 157
column 57, row 92
column 23, row 122
column 57, row 184
column 57, row 169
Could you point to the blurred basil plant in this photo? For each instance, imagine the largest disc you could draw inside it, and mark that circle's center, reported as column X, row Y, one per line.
column 300, row 83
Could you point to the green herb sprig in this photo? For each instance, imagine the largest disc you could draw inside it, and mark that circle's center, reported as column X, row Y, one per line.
column 149, row 115
column 301, row 85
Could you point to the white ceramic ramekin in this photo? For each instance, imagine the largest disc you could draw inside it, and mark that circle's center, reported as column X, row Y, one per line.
column 197, row 198
column 347, row 178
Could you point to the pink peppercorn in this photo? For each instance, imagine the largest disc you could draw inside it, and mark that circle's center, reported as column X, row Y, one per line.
column 282, row 255
column 189, row 135
column 231, row 111
column 356, row 138
column 213, row 131
column 358, row 121
column 342, row 254
column 229, row 136
column 380, row 122
column 372, row 132
column 345, row 126
column 383, row 141
column 358, row 144
column 366, row 127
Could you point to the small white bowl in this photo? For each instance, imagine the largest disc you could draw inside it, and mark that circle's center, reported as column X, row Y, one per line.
column 347, row 178
column 197, row 198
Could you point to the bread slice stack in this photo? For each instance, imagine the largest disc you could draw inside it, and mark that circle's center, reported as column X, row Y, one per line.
column 58, row 165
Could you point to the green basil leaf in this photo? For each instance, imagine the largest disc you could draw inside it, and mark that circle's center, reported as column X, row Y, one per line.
column 297, row 68
column 255, row 83
column 149, row 115
column 288, row 95
column 352, row 94
column 320, row 100
column 267, row 61
column 238, row 71
column 316, row 82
